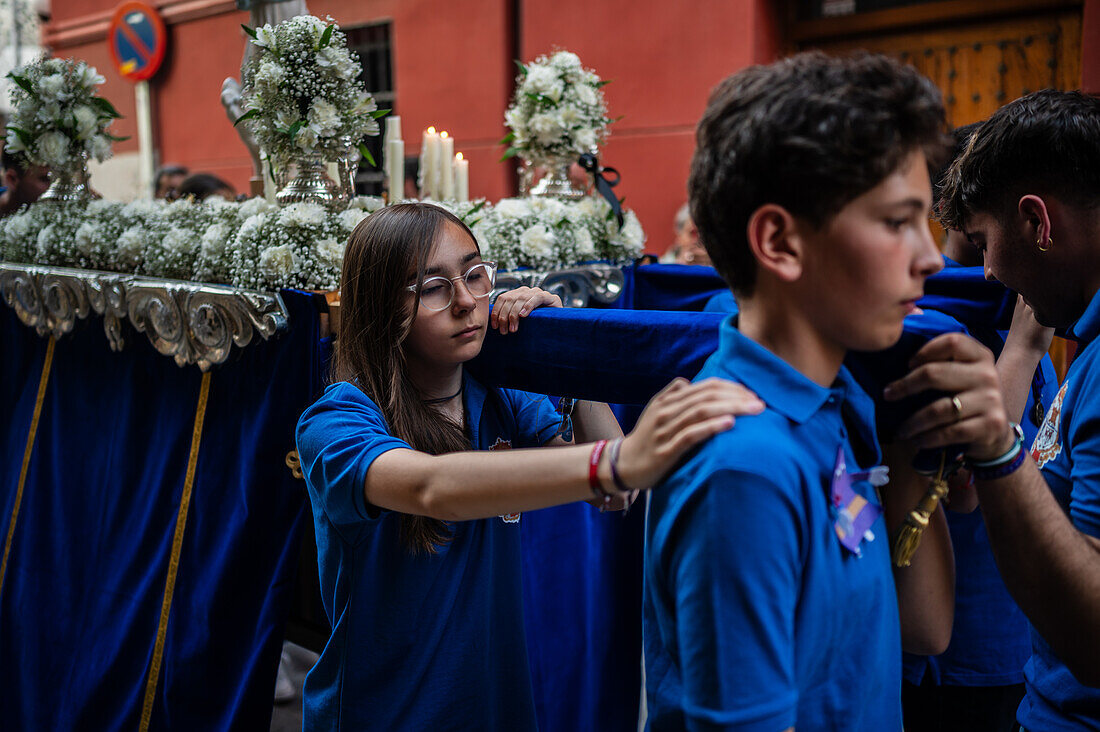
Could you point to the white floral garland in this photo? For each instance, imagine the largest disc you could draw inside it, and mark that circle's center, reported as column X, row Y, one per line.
column 58, row 121
column 558, row 110
column 302, row 92
column 258, row 246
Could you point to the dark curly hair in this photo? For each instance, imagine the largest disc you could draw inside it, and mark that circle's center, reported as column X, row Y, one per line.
column 809, row 133
column 1047, row 142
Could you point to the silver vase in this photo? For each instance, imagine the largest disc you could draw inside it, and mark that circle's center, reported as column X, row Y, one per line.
column 555, row 183
column 68, row 185
column 310, row 184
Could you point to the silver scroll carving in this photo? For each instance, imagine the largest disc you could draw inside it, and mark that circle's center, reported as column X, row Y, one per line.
column 194, row 323
column 576, row 286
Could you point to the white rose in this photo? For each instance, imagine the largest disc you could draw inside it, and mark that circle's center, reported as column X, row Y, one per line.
column 538, row 242
column 278, row 262
column 53, row 149
column 331, row 251
column 513, row 208
column 213, row 242
column 51, row 88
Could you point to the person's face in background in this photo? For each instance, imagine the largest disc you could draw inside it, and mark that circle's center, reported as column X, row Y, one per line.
column 168, row 185
column 689, row 249
column 26, row 186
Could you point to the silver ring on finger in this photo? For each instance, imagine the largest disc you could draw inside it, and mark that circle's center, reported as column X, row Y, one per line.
column 956, row 404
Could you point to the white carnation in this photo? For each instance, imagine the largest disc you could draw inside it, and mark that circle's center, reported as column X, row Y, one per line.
column 89, row 77
column 370, row 204
column 53, row 149
column 213, row 242
column 130, row 246
column 99, row 147
column 302, row 214
column 254, row 206
column 87, row 236
column 585, row 139
column 543, row 80
column 250, row 226
column 513, row 208
column 586, row 248
column 87, row 121
column 586, row 95
column 350, row 219
column 331, row 251
column 633, row 236
column 538, row 242
column 547, row 127
column 324, row 118
column 50, row 88
column 278, row 262
column 565, row 61
column 13, row 142
column 180, row 241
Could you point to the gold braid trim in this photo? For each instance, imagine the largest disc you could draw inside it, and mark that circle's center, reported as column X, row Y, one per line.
column 174, row 559
column 43, row 380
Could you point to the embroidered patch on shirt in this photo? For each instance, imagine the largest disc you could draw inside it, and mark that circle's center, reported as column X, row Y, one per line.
column 854, row 513
column 502, row 444
column 1048, row 440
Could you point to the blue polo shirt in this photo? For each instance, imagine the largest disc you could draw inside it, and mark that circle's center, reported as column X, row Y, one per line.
column 418, row 641
column 1067, row 449
column 755, row 617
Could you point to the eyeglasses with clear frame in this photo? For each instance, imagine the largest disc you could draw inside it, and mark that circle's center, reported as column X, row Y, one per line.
column 438, row 293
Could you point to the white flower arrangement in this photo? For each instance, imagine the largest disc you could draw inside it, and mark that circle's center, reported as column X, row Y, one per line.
column 255, row 245
column 302, row 93
column 558, row 110
column 258, row 246
column 546, row 233
column 58, row 121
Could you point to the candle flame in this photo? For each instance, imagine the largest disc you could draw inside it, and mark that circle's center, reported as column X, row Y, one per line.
column 444, row 134
column 431, row 130
column 458, row 156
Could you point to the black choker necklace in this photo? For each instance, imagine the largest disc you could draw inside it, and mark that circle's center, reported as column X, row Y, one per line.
column 440, row 400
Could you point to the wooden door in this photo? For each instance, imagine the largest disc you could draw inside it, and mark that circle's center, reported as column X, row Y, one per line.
column 980, row 58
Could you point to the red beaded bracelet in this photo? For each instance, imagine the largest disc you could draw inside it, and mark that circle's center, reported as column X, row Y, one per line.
column 593, row 470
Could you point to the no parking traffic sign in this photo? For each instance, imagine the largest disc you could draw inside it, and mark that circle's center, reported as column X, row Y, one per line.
column 137, row 40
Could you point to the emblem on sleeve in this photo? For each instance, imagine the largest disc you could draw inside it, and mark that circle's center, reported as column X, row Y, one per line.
column 1048, row 441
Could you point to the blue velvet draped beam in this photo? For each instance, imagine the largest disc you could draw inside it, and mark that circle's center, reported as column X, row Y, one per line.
column 81, row 600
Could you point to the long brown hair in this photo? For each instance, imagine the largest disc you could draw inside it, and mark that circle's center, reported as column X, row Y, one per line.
column 375, row 322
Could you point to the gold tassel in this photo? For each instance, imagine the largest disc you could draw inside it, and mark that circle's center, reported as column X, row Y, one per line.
column 905, row 546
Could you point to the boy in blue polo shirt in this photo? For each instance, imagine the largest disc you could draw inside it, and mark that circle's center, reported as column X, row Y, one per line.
column 769, row 598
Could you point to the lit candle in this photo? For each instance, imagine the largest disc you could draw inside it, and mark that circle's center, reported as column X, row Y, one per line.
column 462, row 178
column 429, row 154
column 446, row 167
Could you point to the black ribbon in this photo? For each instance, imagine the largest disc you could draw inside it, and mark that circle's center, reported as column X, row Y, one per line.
column 589, row 162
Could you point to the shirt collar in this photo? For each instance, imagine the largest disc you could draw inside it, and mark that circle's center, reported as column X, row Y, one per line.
column 781, row 386
column 1087, row 326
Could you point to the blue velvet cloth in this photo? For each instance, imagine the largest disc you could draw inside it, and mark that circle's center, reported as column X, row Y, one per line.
column 82, row 596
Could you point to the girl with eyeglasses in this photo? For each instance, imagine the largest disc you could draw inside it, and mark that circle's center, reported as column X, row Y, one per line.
column 418, row 529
